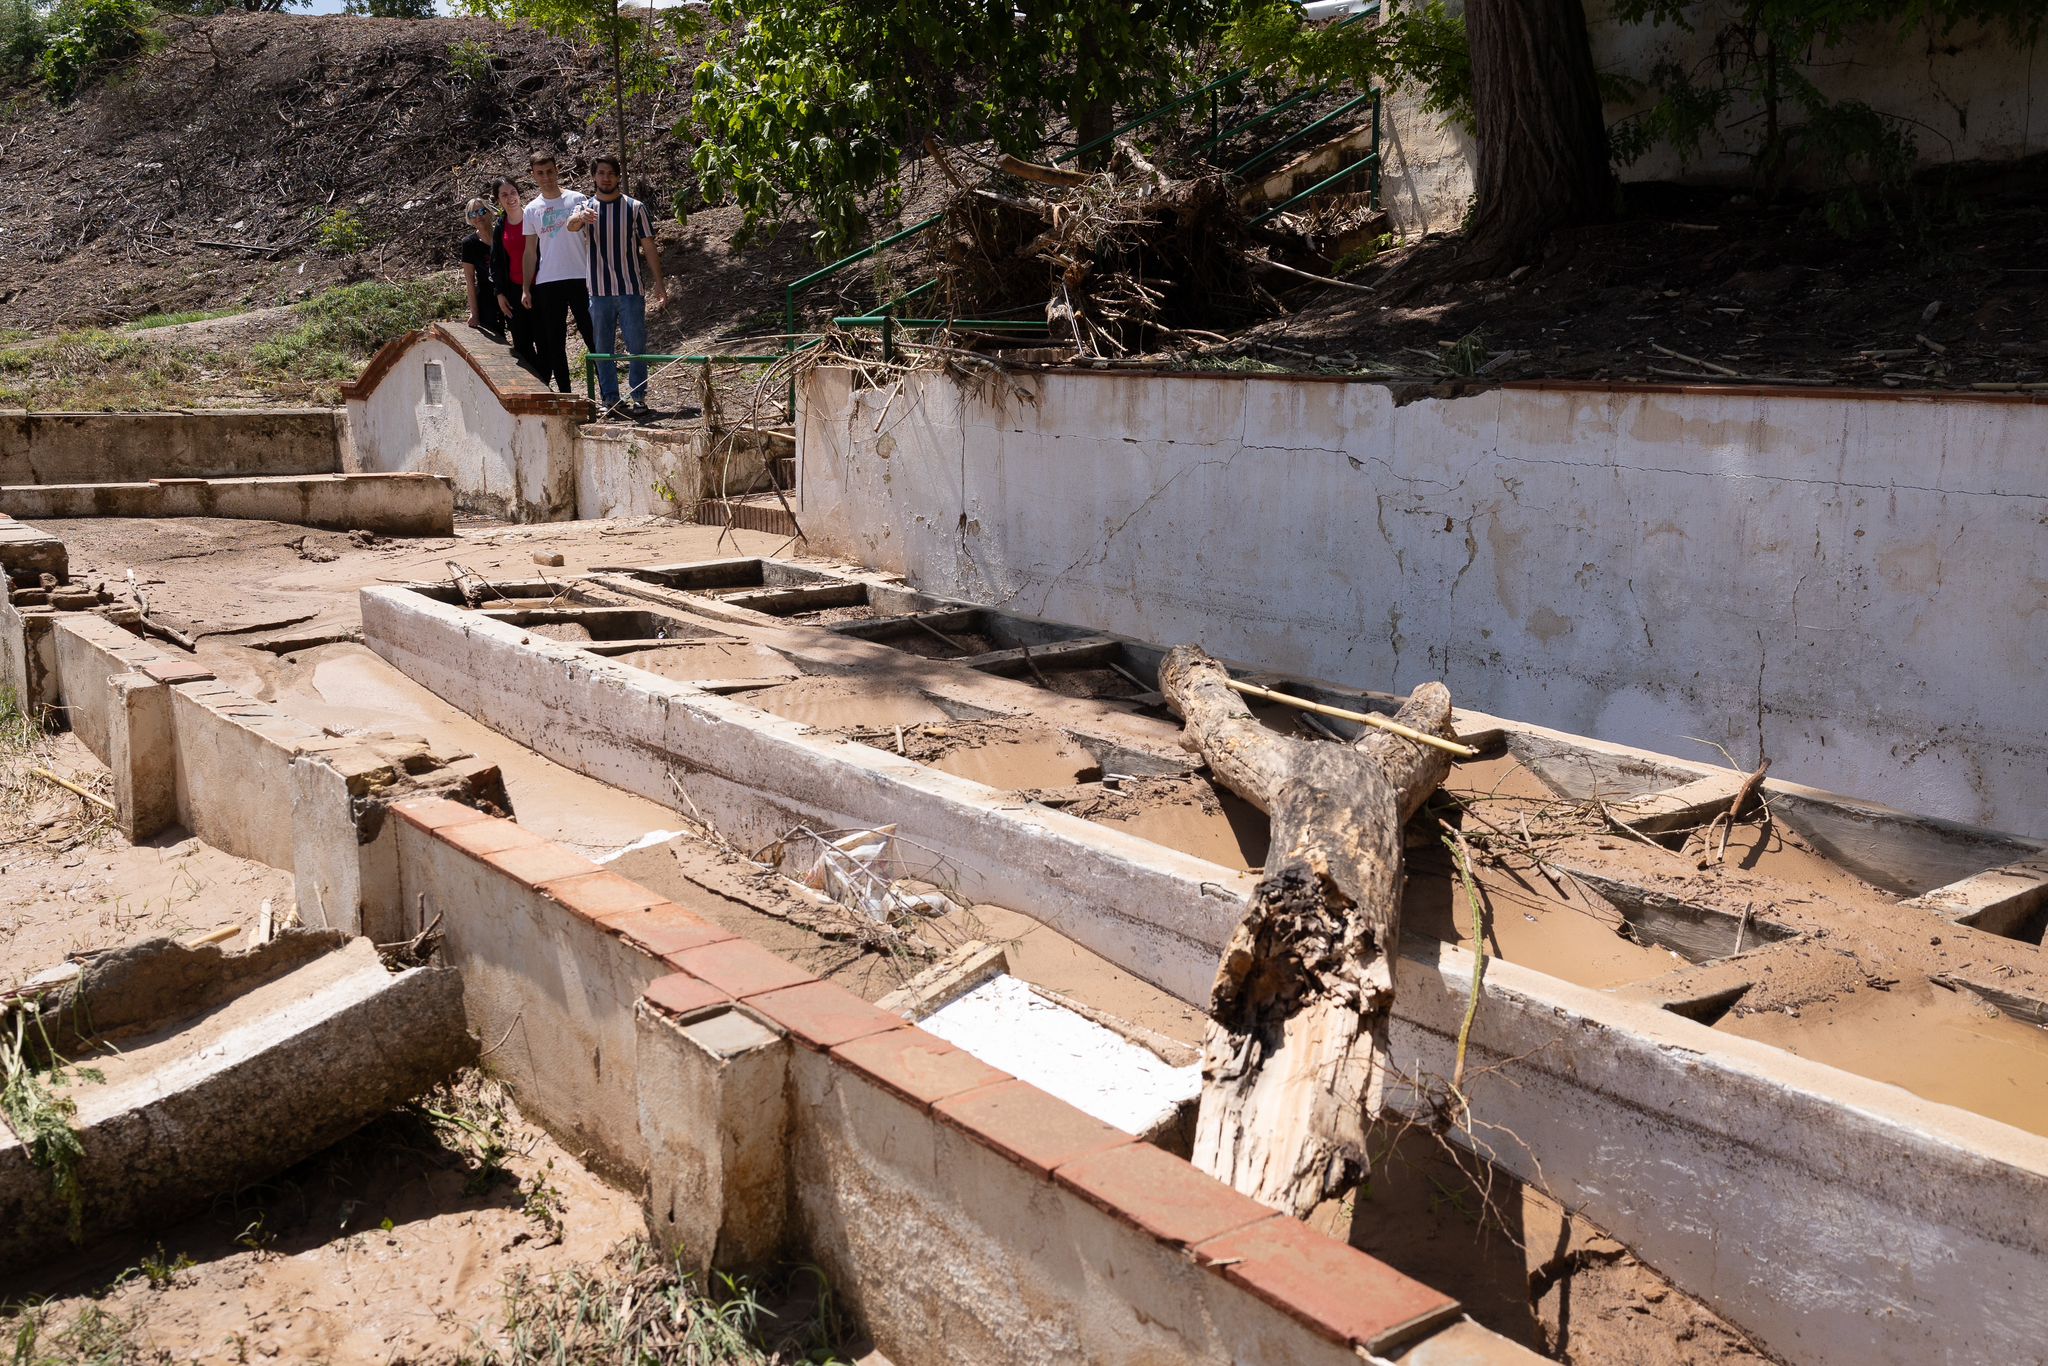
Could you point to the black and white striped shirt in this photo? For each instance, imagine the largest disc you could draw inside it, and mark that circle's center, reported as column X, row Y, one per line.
column 622, row 224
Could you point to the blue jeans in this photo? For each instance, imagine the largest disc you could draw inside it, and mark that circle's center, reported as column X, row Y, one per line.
column 611, row 314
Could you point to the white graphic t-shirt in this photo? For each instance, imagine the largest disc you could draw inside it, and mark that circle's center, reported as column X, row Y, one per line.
column 564, row 255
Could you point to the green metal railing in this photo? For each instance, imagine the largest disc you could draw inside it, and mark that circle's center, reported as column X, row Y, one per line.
column 883, row 315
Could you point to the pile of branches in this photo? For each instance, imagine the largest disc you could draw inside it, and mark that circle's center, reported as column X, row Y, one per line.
column 1123, row 261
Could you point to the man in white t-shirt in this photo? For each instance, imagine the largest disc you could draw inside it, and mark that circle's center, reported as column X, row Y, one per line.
column 557, row 266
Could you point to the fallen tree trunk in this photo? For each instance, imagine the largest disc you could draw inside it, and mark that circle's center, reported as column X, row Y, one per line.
column 1294, row 1058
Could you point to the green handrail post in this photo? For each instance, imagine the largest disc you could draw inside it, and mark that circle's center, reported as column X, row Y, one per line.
column 1373, row 190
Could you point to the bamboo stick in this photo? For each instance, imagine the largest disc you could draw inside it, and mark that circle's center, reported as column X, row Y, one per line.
column 1363, row 718
column 95, row 798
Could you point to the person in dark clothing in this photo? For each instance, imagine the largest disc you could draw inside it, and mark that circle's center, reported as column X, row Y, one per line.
column 508, row 265
column 477, row 277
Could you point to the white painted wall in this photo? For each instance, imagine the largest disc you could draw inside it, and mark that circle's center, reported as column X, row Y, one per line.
column 630, row 472
column 521, row 466
column 1861, row 581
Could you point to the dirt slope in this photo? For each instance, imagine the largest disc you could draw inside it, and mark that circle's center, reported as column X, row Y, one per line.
column 252, row 128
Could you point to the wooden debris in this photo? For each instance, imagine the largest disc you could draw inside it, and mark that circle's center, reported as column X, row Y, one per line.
column 95, row 798
column 1294, row 1058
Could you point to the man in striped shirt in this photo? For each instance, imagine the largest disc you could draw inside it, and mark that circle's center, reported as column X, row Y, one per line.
column 621, row 241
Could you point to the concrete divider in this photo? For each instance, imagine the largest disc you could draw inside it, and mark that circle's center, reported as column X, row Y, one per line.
column 1867, row 1224
column 95, row 448
column 1628, row 1111
column 1159, row 913
column 389, row 504
column 965, row 1215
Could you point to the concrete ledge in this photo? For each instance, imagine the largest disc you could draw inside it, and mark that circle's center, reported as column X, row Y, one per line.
column 1159, row 913
column 27, row 554
column 81, row 448
column 390, row 504
column 204, row 1106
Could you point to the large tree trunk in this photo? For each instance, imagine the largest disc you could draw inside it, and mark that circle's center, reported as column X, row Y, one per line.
column 1294, row 1058
column 1542, row 142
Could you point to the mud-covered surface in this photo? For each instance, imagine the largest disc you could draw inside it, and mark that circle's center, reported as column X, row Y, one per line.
column 1520, row 1264
column 397, row 1244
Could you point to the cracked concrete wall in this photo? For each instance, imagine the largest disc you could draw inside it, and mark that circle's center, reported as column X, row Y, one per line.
column 1856, row 583
column 1966, row 95
column 98, row 448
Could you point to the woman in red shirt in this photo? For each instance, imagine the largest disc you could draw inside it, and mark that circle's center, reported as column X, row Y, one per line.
column 508, row 262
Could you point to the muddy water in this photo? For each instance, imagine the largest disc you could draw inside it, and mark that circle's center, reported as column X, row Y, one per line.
column 1211, row 824
column 1025, row 759
column 712, row 660
column 1528, row 924
column 837, row 703
column 352, row 690
column 1945, row 1046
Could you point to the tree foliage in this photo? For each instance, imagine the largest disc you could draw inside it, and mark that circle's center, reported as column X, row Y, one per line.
column 88, row 38
column 1418, row 45
column 812, row 103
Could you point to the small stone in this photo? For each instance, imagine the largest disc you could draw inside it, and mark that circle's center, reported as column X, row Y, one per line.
column 553, row 559
column 1927, row 314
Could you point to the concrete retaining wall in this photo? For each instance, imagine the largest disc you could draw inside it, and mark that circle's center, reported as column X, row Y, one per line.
column 1856, row 581
column 103, row 448
column 451, row 402
column 628, row 472
column 388, row 504
column 1159, row 912
column 964, row 1215
column 1967, row 94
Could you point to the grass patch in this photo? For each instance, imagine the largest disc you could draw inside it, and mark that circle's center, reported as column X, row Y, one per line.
column 640, row 1307
column 343, row 327
column 190, row 315
column 322, row 342
column 91, row 1337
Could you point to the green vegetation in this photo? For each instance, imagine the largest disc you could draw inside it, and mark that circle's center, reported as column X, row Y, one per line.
column 811, row 104
column 192, row 315
column 341, row 232
column 345, row 326
column 88, row 38
column 31, row 1081
column 471, row 62
column 1422, row 45
column 91, row 1337
column 24, row 32
column 322, row 341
